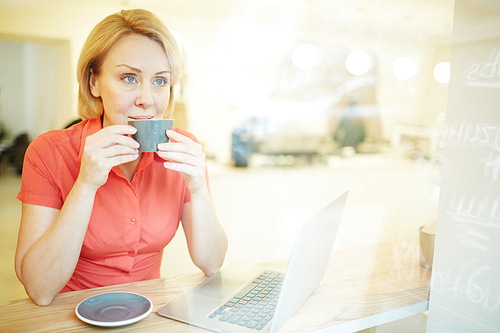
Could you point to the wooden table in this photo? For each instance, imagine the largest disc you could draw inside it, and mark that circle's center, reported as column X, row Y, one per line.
column 362, row 287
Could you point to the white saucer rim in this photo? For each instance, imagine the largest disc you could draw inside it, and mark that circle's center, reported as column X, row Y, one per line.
column 114, row 323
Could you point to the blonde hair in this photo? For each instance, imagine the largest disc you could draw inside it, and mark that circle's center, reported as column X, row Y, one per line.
column 100, row 40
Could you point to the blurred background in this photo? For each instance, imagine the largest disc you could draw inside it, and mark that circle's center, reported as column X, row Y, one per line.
column 266, row 77
column 294, row 102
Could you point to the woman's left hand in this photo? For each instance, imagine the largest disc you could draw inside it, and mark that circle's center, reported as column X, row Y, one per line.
column 185, row 156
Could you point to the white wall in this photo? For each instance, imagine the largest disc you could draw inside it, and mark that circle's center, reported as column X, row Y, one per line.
column 12, row 104
column 34, row 77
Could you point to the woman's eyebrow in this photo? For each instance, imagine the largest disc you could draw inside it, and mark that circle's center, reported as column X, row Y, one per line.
column 130, row 67
column 139, row 71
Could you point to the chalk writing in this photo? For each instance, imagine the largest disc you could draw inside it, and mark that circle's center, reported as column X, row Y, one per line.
column 491, row 165
column 465, row 288
column 484, row 74
column 406, row 261
column 473, row 238
column 471, row 282
column 479, row 134
column 472, row 209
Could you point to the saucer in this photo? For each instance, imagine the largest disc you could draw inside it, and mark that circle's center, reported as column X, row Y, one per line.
column 114, row 309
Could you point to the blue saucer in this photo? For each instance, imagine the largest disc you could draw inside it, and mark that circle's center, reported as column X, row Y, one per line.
column 114, row 309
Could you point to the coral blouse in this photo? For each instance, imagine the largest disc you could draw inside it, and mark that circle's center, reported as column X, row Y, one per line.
column 131, row 222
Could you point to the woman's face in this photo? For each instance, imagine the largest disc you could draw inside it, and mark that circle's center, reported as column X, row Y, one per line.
column 134, row 80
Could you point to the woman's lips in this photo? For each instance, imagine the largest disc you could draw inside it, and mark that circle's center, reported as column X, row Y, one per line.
column 141, row 117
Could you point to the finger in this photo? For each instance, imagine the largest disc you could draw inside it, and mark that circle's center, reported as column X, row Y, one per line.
column 190, row 149
column 124, row 141
column 117, row 150
column 103, row 155
column 120, row 159
column 111, row 146
column 192, row 171
column 182, row 158
column 102, row 160
column 120, row 141
column 179, row 142
column 182, row 152
column 120, row 129
column 178, row 137
column 110, row 139
column 106, row 164
column 109, row 162
column 116, row 129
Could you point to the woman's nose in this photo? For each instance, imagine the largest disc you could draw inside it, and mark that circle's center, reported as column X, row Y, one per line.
column 144, row 97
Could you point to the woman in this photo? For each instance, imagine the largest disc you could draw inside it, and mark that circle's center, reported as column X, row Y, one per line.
column 96, row 211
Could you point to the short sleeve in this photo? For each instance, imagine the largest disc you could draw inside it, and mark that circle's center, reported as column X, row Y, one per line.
column 39, row 184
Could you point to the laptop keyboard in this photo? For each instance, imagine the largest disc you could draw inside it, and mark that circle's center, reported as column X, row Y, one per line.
column 253, row 307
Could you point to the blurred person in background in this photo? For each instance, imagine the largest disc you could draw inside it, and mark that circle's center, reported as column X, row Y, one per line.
column 351, row 130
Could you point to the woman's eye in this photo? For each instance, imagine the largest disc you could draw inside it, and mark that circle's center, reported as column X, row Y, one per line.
column 160, row 81
column 128, row 79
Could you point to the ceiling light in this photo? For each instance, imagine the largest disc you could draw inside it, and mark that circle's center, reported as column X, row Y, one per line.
column 358, row 63
column 442, row 72
column 404, row 68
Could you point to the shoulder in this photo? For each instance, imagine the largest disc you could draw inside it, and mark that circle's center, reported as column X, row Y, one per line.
column 58, row 137
column 57, row 142
column 47, row 140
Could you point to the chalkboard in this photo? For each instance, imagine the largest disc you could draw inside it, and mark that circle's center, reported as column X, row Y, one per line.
column 465, row 287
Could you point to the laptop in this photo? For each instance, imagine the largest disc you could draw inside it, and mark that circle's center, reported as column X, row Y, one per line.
column 245, row 297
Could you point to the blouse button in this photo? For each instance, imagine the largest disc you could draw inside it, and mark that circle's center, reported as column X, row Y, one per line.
column 133, row 221
column 131, row 253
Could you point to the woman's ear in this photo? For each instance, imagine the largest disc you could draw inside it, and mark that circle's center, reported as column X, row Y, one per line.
column 94, row 84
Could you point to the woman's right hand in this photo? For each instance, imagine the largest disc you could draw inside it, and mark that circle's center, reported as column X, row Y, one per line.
column 106, row 149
